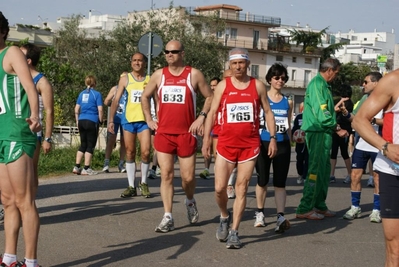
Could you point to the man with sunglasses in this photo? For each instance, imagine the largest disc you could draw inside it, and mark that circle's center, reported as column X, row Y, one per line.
column 363, row 153
column 175, row 88
column 385, row 97
column 319, row 122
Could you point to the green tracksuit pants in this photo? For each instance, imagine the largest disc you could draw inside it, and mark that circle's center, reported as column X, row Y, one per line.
column 318, row 176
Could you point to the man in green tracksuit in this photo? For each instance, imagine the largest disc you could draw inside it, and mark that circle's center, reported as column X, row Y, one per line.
column 319, row 122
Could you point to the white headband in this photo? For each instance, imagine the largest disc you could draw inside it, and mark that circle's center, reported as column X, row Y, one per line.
column 239, row 56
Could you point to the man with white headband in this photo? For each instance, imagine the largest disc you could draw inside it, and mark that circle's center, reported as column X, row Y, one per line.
column 240, row 97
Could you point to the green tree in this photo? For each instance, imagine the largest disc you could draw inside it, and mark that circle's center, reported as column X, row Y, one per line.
column 311, row 40
column 307, row 38
column 76, row 53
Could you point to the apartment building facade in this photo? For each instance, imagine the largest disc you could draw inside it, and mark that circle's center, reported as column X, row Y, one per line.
column 367, row 47
column 256, row 33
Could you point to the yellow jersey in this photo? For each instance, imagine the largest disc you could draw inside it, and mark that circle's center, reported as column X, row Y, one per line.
column 134, row 89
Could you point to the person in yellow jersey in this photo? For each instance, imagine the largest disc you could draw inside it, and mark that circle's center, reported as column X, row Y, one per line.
column 133, row 123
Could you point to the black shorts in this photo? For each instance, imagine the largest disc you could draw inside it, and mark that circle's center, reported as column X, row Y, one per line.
column 389, row 195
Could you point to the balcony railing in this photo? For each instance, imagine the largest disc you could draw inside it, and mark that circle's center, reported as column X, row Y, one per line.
column 243, row 43
column 245, row 17
column 261, row 45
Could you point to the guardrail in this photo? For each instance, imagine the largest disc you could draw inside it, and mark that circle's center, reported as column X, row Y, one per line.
column 64, row 136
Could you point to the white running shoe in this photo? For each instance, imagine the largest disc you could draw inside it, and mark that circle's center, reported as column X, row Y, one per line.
column 231, row 192
column 89, row 171
column 375, row 216
column 353, row 213
column 259, row 219
column 106, row 168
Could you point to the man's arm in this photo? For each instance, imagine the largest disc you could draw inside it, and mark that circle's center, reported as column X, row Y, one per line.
column 15, row 62
column 269, row 117
column 149, row 91
column 111, row 93
column 211, row 117
column 114, row 104
column 46, row 91
column 200, row 83
column 383, row 97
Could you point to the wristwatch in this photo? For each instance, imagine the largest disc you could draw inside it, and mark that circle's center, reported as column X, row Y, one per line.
column 274, row 137
column 203, row 114
column 48, row 140
column 384, row 149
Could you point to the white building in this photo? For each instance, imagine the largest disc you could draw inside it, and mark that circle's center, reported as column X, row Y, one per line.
column 365, row 47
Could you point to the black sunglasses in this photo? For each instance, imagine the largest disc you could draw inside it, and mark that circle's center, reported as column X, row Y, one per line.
column 174, row 52
column 365, row 82
column 283, row 78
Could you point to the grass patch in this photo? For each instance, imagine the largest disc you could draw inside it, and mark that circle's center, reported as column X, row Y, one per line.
column 61, row 161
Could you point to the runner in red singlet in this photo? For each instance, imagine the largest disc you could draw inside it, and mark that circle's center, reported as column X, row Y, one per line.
column 175, row 88
column 238, row 143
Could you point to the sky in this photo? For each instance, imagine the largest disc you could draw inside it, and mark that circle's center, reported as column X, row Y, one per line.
column 338, row 15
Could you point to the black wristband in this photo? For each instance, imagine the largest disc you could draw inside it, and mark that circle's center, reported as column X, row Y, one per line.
column 203, row 114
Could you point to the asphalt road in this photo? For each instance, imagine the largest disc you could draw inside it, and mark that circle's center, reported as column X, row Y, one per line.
column 84, row 222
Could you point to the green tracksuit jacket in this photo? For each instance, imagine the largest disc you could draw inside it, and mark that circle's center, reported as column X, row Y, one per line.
column 319, row 122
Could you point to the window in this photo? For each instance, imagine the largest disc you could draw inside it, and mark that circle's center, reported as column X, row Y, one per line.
column 255, row 71
column 308, row 60
column 293, row 59
column 293, row 75
column 365, row 39
column 279, row 58
column 233, row 33
column 307, row 77
column 256, row 39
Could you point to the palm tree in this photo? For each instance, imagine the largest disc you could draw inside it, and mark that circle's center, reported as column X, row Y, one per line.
column 311, row 40
column 307, row 38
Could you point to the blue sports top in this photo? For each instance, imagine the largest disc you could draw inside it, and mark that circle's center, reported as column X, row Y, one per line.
column 89, row 101
column 280, row 111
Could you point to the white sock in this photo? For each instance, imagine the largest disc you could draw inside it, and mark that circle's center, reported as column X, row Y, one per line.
column 31, row 263
column 168, row 214
column 189, row 201
column 144, row 172
column 9, row 258
column 131, row 172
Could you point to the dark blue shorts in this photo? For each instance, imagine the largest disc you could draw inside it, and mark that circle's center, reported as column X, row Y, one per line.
column 360, row 158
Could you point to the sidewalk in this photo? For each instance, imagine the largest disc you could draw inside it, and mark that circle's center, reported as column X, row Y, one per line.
column 84, row 222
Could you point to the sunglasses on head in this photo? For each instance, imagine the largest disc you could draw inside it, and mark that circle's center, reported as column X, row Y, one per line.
column 174, row 52
column 279, row 78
